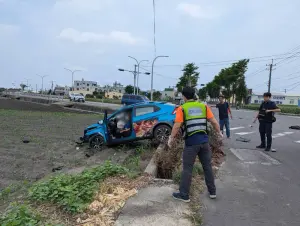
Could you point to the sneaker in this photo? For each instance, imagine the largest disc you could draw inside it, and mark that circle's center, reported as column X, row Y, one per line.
column 181, row 197
column 212, row 196
column 261, row 146
column 268, row 149
column 273, row 150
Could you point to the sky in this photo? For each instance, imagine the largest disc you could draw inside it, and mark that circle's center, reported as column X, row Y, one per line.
column 97, row 36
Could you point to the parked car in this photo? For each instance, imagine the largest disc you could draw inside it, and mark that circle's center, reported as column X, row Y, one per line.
column 151, row 120
column 77, row 97
column 128, row 99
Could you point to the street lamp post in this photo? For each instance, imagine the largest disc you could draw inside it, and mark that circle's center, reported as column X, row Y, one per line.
column 73, row 72
column 134, row 74
column 138, row 72
column 152, row 75
column 42, row 76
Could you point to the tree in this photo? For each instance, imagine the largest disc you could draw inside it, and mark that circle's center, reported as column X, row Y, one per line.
column 232, row 80
column 189, row 78
column 157, row 95
column 23, row 86
column 202, row 93
column 129, row 89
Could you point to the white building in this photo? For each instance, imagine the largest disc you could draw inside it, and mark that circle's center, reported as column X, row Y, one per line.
column 85, row 87
column 168, row 93
column 278, row 98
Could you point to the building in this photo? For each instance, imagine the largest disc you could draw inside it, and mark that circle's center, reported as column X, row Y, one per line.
column 61, row 90
column 85, row 87
column 278, row 98
column 116, row 87
column 113, row 95
column 168, row 93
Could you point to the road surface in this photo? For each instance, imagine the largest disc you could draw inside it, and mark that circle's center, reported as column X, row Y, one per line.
column 256, row 188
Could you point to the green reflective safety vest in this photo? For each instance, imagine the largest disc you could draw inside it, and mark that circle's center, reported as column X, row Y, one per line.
column 195, row 117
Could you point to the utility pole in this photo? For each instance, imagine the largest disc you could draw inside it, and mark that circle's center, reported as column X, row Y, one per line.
column 36, row 88
column 52, row 86
column 134, row 74
column 270, row 75
column 152, row 71
column 73, row 72
column 138, row 72
column 42, row 77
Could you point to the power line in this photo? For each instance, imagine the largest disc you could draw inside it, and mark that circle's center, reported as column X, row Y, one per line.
column 159, row 74
column 154, row 27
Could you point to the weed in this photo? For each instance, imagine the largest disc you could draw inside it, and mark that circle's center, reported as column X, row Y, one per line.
column 74, row 192
column 20, row 215
column 197, row 170
column 176, row 177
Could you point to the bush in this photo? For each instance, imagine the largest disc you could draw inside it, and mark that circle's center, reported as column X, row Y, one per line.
column 89, row 96
column 19, row 215
column 74, row 192
column 284, row 108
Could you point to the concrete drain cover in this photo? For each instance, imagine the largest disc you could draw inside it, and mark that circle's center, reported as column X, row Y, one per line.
column 254, row 157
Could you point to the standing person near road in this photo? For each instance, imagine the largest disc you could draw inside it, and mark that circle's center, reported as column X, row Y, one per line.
column 224, row 109
column 266, row 118
column 194, row 116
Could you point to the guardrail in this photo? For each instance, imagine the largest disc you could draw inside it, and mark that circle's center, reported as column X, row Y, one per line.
column 42, row 96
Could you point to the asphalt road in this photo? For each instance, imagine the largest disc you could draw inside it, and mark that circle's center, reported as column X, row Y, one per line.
column 254, row 187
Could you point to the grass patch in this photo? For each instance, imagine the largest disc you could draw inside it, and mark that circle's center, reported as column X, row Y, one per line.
column 134, row 162
column 20, row 215
column 290, row 109
column 12, row 189
column 74, row 192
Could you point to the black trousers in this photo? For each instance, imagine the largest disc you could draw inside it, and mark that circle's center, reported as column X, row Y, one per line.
column 189, row 155
column 265, row 130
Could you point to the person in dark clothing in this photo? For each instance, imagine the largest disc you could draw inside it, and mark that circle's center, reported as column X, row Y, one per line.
column 266, row 118
column 224, row 109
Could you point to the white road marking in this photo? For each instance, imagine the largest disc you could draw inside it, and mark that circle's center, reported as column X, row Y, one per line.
column 244, row 133
column 281, row 134
column 294, row 117
column 298, row 141
column 235, row 128
column 274, row 161
column 288, row 133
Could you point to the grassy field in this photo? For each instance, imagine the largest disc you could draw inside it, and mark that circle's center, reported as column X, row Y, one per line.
column 284, row 108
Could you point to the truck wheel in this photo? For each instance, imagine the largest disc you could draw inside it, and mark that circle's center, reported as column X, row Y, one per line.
column 96, row 142
column 162, row 133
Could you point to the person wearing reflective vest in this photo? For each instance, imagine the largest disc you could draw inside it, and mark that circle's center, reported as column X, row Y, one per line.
column 194, row 116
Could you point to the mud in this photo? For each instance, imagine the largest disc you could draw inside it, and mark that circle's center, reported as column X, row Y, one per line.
column 52, row 132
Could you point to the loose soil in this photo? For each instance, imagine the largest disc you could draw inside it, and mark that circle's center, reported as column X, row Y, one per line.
column 52, row 133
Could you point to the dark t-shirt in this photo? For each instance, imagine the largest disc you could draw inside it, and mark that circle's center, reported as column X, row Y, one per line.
column 223, row 110
column 269, row 105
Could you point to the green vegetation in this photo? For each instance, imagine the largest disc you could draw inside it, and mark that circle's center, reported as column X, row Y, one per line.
column 232, row 79
column 197, row 170
column 20, row 215
column 74, row 192
column 190, row 76
column 284, row 108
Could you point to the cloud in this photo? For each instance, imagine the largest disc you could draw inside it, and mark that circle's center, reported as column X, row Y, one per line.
column 85, row 37
column 8, row 29
column 79, row 6
column 196, row 11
